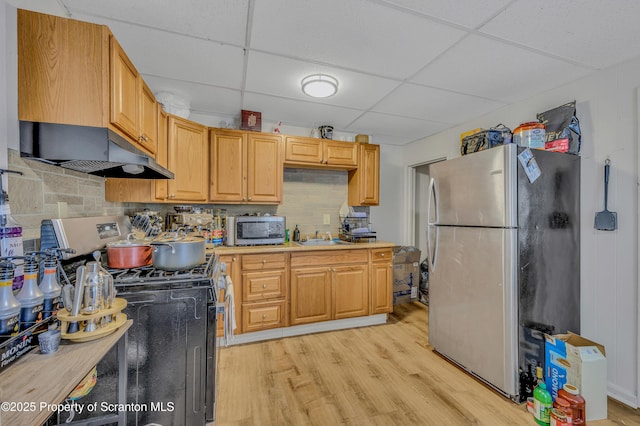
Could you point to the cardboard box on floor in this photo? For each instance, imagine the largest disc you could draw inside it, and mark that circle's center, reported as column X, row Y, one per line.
column 570, row 358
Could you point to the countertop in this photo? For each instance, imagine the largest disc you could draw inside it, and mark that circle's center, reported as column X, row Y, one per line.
column 36, row 380
column 293, row 247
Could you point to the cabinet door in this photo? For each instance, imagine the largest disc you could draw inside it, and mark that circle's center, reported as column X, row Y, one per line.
column 341, row 153
column 381, row 288
column 148, row 138
column 188, row 159
column 299, row 150
column 364, row 182
column 228, row 162
column 350, row 291
column 310, row 295
column 264, row 169
column 124, row 92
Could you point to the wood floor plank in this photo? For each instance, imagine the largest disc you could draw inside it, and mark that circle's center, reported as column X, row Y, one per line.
column 379, row 375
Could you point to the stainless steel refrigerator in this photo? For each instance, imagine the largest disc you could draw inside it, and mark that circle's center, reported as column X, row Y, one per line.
column 504, row 260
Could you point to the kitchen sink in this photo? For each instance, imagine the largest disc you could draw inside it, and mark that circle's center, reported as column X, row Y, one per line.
column 319, row 242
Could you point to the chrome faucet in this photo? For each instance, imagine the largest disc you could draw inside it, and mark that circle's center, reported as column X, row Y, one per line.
column 316, row 234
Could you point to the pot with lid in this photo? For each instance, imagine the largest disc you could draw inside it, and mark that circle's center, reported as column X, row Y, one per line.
column 179, row 252
column 129, row 253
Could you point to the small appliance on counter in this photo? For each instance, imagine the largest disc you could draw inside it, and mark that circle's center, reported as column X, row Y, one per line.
column 255, row 230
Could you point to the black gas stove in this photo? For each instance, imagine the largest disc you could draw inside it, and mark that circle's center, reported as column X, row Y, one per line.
column 172, row 343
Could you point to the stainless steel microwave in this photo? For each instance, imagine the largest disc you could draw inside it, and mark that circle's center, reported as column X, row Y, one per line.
column 255, row 230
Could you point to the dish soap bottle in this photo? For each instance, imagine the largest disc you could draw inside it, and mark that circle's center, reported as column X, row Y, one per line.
column 9, row 305
column 10, row 235
column 296, row 234
column 541, row 401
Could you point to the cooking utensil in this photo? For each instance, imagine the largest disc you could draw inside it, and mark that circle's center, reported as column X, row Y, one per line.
column 606, row 220
column 178, row 253
column 77, row 298
column 129, row 253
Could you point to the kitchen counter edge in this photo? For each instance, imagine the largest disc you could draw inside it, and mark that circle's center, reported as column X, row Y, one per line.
column 293, row 247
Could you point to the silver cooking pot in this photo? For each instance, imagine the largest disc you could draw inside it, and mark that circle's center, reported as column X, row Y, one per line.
column 175, row 253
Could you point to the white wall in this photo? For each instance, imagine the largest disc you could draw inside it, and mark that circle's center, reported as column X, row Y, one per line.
column 607, row 109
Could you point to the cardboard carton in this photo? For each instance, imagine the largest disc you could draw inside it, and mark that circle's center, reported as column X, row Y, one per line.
column 570, row 358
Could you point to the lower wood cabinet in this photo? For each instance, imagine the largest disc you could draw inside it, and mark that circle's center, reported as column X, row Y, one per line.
column 336, row 291
column 381, row 281
column 264, row 291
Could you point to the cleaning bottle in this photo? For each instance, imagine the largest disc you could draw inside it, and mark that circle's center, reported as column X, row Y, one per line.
column 296, row 234
column 541, row 401
column 50, row 286
column 30, row 296
column 9, row 305
column 10, row 235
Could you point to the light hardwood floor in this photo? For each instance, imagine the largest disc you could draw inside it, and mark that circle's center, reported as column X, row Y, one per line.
column 379, row 375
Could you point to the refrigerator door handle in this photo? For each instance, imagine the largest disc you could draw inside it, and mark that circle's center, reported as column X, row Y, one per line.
column 433, row 200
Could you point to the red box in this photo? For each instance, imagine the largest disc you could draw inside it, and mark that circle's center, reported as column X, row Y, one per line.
column 251, row 120
column 558, row 145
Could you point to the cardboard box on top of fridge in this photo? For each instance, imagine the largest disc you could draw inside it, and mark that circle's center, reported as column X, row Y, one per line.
column 571, row 358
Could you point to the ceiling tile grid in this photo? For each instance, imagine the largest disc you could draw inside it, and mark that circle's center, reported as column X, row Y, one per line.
column 407, row 69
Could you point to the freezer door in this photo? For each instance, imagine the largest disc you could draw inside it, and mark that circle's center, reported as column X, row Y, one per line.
column 478, row 189
column 472, row 302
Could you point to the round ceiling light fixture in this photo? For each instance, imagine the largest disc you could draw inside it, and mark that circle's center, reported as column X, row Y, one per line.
column 319, row 85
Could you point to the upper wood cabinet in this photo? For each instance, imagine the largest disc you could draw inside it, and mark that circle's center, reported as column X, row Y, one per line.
column 74, row 72
column 188, row 156
column 320, row 153
column 246, row 167
column 364, row 182
column 133, row 106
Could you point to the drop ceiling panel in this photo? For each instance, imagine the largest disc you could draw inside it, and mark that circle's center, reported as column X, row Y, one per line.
column 179, row 57
column 275, row 75
column 595, row 33
column 222, row 20
column 383, row 124
column 487, row 68
column 299, row 113
column 468, row 13
column 203, row 98
column 411, row 100
column 356, row 34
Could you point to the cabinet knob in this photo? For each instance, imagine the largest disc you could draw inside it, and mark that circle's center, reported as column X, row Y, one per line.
column 264, row 286
column 264, row 316
column 382, row 254
column 264, row 261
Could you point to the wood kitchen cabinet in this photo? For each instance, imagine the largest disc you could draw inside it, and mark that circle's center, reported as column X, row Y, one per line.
column 338, row 289
column 320, row 153
column 364, row 182
column 73, row 72
column 381, row 281
column 246, row 167
column 188, row 158
column 264, row 291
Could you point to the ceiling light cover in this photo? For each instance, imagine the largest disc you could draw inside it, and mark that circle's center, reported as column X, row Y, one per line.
column 319, row 85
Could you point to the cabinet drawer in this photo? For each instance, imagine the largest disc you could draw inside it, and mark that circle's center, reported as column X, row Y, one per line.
column 335, row 257
column 262, row 316
column 263, row 285
column 257, row 262
column 382, row 255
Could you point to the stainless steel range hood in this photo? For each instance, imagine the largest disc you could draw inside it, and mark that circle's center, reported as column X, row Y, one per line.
column 94, row 150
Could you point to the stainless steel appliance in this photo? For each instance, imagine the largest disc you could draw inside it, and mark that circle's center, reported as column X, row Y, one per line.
column 171, row 345
column 504, row 260
column 178, row 220
column 255, row 230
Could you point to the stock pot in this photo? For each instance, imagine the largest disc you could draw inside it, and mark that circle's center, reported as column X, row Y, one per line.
column 129, row 253
column 175, row 253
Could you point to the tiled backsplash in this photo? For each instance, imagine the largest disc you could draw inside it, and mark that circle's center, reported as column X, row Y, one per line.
column 45, row 191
